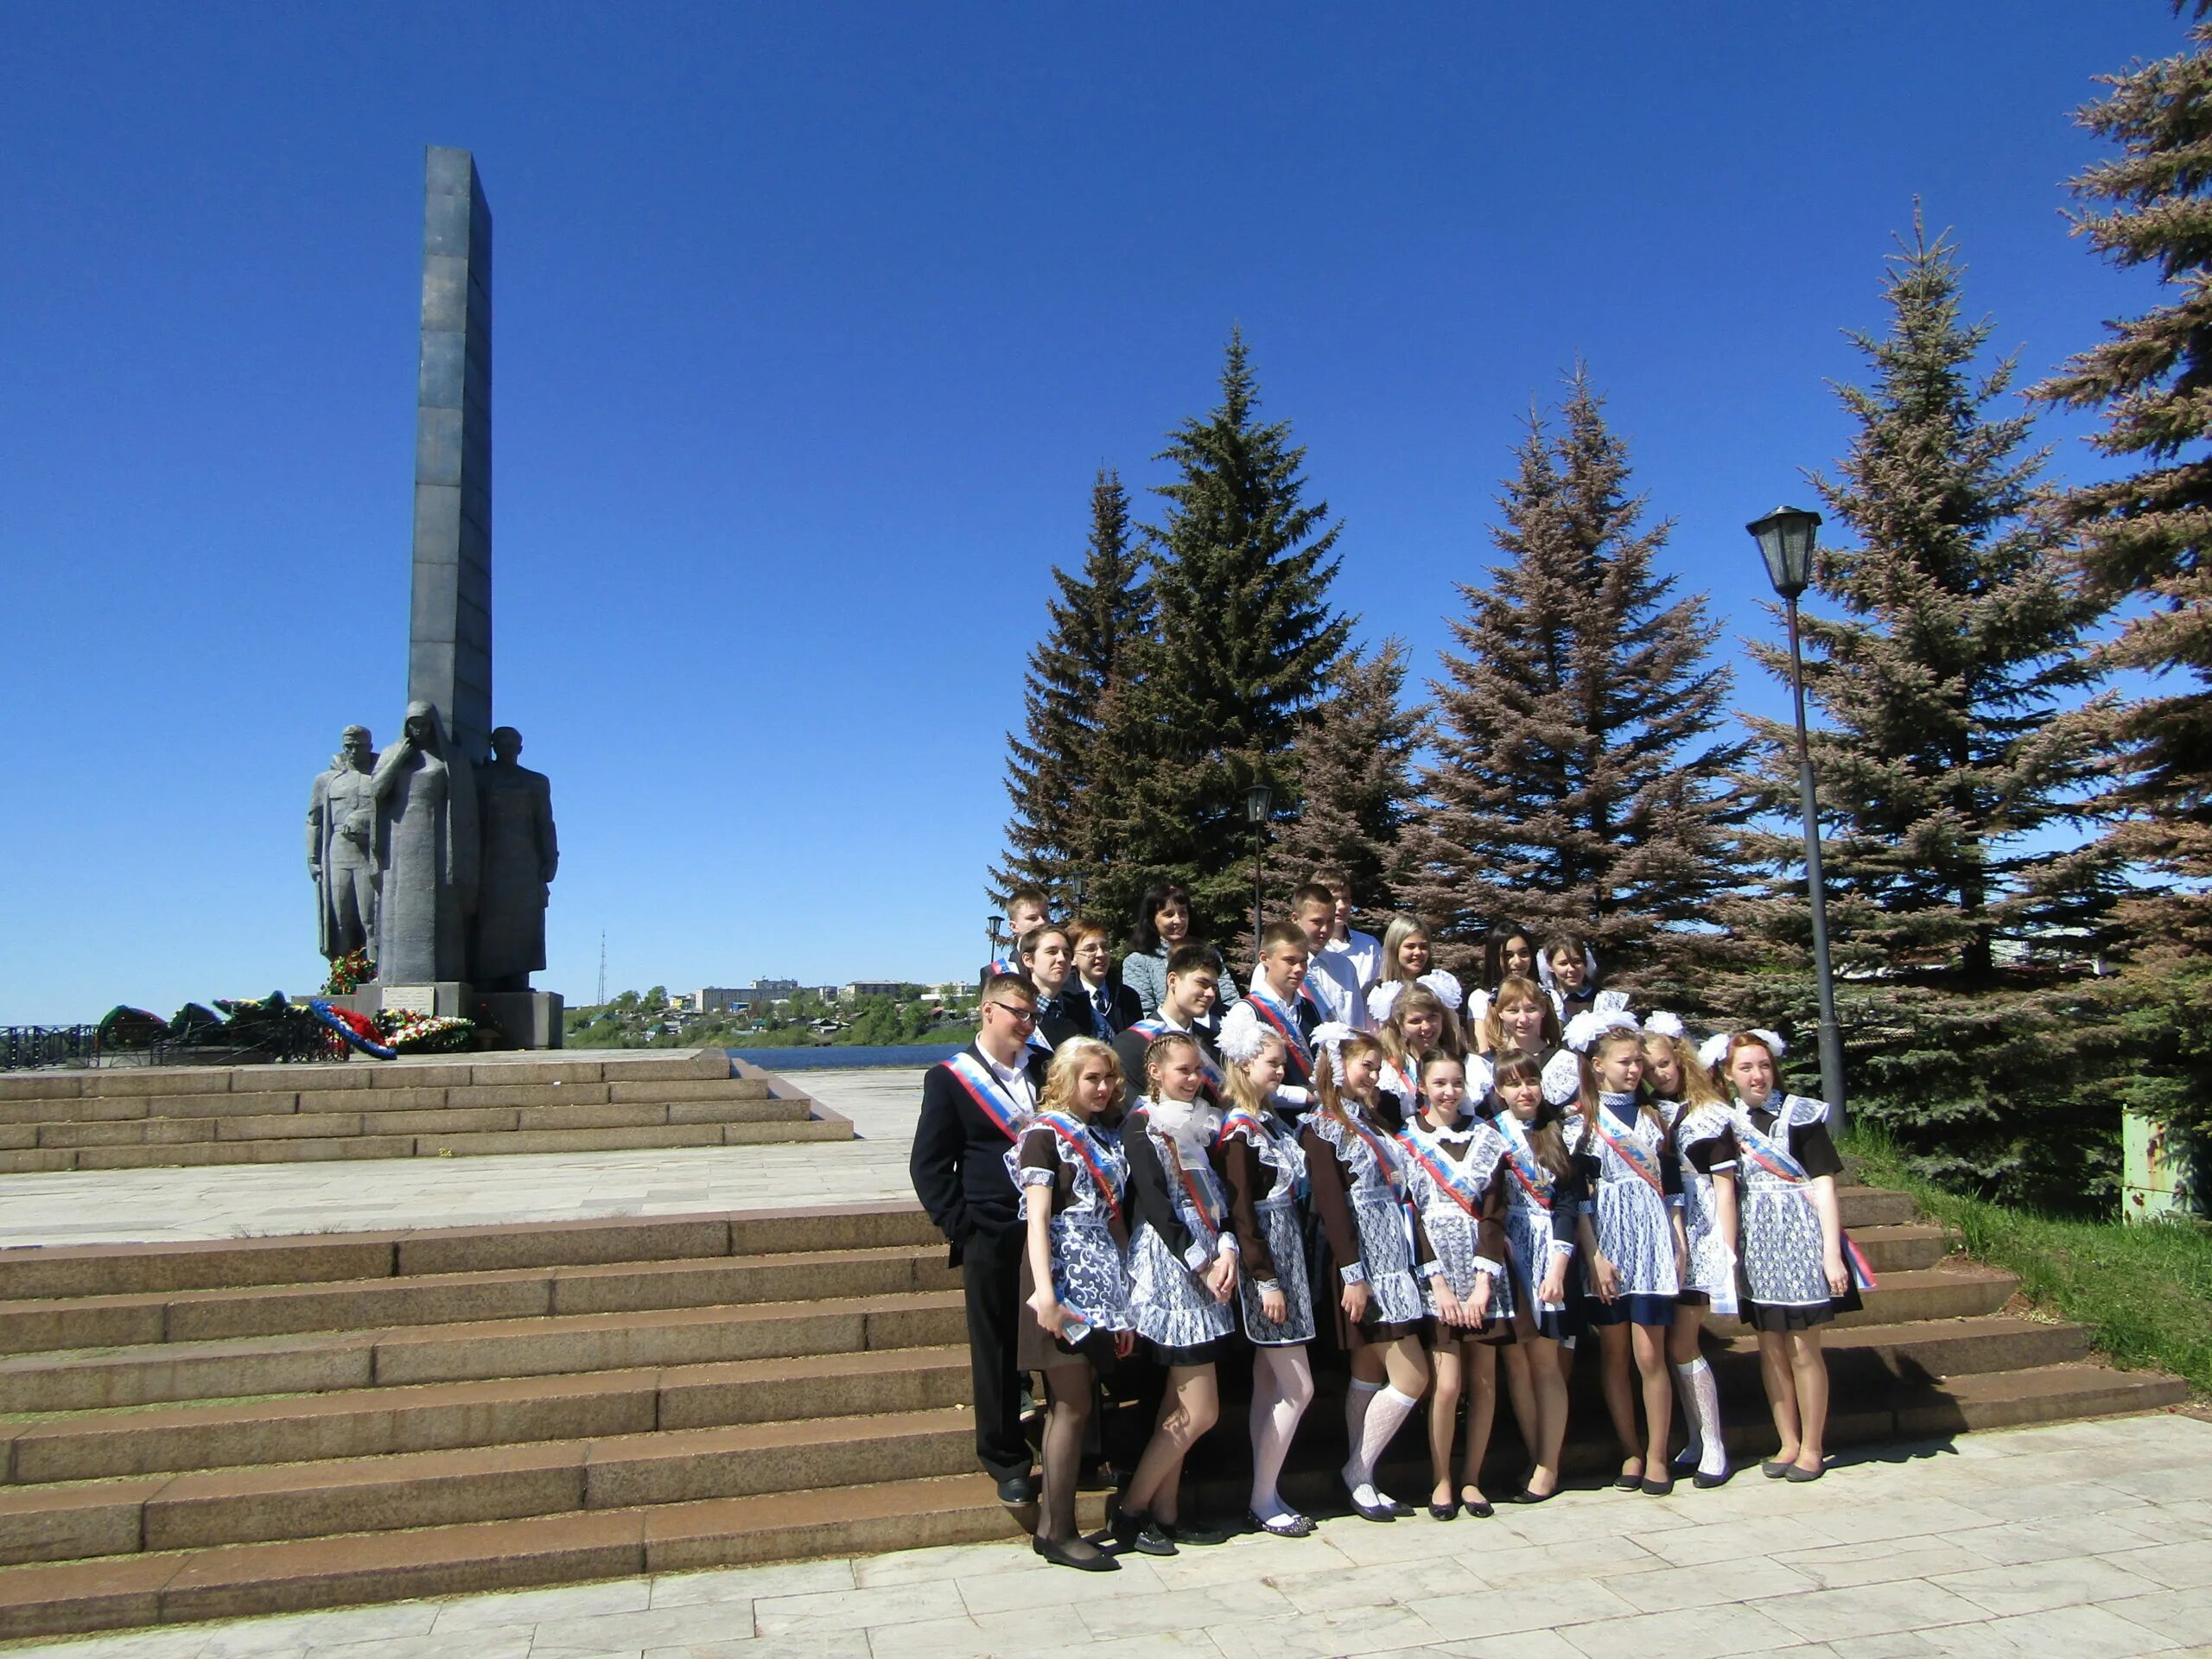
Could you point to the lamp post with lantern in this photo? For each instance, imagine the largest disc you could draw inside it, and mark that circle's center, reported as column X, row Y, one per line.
column 1785, row 538
column 1258, row 799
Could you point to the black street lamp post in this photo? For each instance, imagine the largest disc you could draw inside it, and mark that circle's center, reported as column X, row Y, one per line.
column 1785, row 538
column 993, row 925
column 1257, row 800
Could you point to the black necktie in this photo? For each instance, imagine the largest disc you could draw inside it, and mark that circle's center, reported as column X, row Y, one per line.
column 1104, row 1004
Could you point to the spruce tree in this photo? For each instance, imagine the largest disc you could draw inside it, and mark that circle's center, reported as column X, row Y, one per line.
column 1245, row 638
column 1578, row 774
column 1949, row 764
column 2143, row 539
column 1060, row 775
column 1350, row 776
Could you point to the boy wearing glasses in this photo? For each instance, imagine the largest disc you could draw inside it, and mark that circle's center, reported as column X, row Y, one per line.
column 974, row 1106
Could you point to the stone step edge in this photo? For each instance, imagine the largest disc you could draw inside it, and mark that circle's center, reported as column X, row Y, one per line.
column 673, row 1390
column 371, row 1147
column 1736, row 1364
column 150, row 1319
column 185, row 1587
column 160, row 1309
column 51, row 1272
column 44, row 1271
column 1972, row 1280
column 426, row 1071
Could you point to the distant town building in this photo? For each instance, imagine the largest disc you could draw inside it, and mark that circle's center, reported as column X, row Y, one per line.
column 732, row 999
column 864, row 987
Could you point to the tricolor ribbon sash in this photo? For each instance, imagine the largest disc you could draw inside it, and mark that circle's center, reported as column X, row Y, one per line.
column 1520, row 1159
column 1075, row 1136
column 989, row 1095
column 1629, row 1153
column 1286, row 1026
column 1455, row 1178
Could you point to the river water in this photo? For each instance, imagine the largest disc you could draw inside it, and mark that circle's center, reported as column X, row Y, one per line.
column 845, row 1057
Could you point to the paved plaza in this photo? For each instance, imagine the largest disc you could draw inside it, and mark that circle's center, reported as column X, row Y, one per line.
column 2083, row 1540
column 133, row 1206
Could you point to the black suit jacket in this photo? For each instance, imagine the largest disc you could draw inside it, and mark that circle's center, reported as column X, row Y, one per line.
column 1076, row 1009
column 958, row 1163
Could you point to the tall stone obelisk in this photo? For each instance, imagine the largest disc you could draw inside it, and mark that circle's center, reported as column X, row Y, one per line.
column 449, row 636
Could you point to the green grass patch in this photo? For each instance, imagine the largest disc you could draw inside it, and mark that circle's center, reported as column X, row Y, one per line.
column 2143, row 1290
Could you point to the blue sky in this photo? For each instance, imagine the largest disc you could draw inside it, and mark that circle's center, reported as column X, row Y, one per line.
column 813, row 326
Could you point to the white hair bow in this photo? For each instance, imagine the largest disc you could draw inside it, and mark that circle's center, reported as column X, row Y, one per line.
column 1586, row 1028
column 1331, row 1036
column 1713, row 1049
column 1775, row 1045
column 1242, row 1035
column 1446, row 987
column 1665, row 1024
column 1481, row 1077
column 1544, row 967
column 1562, row 1076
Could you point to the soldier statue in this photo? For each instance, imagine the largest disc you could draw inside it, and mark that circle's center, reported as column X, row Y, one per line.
column 514, row 807
column 341, row 826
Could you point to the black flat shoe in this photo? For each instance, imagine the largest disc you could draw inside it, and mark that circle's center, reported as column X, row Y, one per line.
column 1398, row 1506
column 1798, row 1474
column 1524, row 1496
column 1478, row 1506
column 1017, row 1490
column 1075, row 1553
column 1706, row 1483
column 1443, row 1511
column 1775, row 1469
column 1177, row 1532
column 1152, row 1539
column 1657, row 1488
column 1126, row 1524
column 1373, row 1511
column 1290, row 1525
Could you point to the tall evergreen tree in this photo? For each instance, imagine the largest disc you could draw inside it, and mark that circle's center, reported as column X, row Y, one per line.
column 1060, row 777
column 1351, row 779
column 1576, row 783
column 1950, row 765
column 2142, row 543
column 1245, row 638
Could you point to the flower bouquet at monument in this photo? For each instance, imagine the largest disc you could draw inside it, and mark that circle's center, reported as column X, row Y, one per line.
column 408, row 1033
column 349, row 972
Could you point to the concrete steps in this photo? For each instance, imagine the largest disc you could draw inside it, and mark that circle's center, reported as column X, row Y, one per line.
column 196, row 1431
column 136, row 1117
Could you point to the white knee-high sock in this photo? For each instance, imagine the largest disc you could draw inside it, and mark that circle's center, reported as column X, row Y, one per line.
column 1685, row 1395
column 1359, row 1399
column 1702, row 1410
column 1384, row 1418
column 1283, row 1387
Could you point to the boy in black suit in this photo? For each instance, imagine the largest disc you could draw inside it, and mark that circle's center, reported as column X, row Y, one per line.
column 974, row 1106
column 1093, row 995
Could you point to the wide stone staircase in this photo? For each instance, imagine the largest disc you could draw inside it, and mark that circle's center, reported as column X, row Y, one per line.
column 196, row 1431
column 134, row 1117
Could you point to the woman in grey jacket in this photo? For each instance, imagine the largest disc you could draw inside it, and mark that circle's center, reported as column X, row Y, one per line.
column 1163, row 922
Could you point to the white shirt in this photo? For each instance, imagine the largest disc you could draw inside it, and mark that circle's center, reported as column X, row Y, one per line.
column 1333, row 982
column 1363, row 951
column 1014, row 1079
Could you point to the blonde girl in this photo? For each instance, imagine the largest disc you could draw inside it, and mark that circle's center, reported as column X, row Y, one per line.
column 1454, row 1165
column 1073, row 1182
column 1421, row 1024
column 1796, row 1276
column 1705, row 1151
column 1407, row 960
column 1358, row 1180
column 1183, row 1273
column 1260, row 1161
column 1632, row 1241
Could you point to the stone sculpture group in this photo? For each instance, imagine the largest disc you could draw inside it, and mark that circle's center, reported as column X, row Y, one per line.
column 437, row 867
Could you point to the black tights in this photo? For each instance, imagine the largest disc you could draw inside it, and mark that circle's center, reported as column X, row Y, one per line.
column 1068, row 1389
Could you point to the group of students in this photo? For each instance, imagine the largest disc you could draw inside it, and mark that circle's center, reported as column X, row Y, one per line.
column 1436, row 1184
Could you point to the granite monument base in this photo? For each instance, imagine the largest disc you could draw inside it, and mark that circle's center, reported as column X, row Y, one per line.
column 530, row 1018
